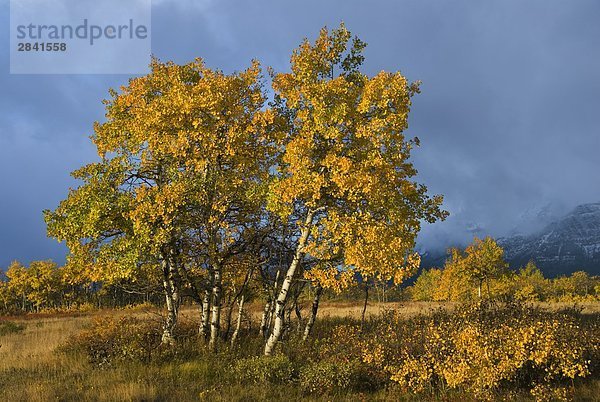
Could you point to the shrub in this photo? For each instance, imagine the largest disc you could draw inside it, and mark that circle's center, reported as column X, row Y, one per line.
column 10, row 327
column 485, row 348
column 128, row 338
column 342, row 347
column 326, row 376
column 262, row 369
column 111, row 339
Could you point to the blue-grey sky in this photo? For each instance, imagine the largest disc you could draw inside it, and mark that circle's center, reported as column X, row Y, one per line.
column 509, row 115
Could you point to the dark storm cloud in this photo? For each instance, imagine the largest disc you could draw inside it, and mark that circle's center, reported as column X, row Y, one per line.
column 508, row 117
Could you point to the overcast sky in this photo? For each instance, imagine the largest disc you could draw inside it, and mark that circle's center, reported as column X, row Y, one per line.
column 509, row 115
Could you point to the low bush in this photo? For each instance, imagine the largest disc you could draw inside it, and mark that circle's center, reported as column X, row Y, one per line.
column 10, row 327
column 486, row 348
column 127, row 338
column 261, row 369
column 327, row 376
column 111, row 339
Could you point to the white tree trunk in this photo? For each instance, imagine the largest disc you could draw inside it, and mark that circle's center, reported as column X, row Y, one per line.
column 239, row 321
column 215, row 324
column 171, row 289
column 313, row 313
column 285, row 286
column 264, row 321
column 272, row 304
column 205, row 319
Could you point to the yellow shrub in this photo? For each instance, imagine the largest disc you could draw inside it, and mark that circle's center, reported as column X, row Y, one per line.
column 485, row 348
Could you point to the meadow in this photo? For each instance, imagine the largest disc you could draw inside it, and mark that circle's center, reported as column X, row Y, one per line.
column 116, row 355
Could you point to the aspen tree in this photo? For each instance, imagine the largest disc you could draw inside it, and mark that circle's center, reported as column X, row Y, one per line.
column 183, row 164
column 344, row 175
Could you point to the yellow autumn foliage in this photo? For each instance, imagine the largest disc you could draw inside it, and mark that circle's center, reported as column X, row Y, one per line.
column 345, row 158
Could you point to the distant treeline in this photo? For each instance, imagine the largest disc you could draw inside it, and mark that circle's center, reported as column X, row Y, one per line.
column 44, row 286
column 526, row 284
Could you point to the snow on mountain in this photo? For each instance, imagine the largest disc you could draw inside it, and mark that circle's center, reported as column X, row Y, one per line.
column 566, row 245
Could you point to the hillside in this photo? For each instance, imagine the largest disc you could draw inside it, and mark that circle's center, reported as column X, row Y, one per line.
column 569, row 244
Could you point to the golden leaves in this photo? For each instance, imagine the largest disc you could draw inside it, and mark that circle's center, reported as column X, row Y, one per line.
column 482, row 346
column 330, row 277
column 197, row 150
column 345, row 152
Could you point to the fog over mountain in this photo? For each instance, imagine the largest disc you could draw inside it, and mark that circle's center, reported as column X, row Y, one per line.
column 557, row 244
column 566, row 245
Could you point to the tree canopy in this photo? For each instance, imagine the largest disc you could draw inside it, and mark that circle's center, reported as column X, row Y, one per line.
column 200, row 177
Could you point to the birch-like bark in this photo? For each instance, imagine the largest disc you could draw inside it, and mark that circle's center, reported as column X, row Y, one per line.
column 171, row 289
column 234, row 299
column 313, row 313
column 264, row 321
column 215, row 324
column 239, row 320
column 273, row 305
column 230, row 303
column 205, row 319
column 285, row 286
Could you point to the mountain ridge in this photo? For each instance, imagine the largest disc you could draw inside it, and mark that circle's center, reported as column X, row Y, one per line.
column 569, row 243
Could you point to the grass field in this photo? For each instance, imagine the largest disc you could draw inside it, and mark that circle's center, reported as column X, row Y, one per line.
column 32, row 367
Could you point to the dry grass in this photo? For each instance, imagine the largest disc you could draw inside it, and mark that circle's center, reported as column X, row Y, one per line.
column 38, row 341
column 43, row 333
column 31, row 370
column 36, row 344
column 355, row 310
column 587, row 307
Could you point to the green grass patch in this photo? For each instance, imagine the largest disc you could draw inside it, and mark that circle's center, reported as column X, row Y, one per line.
column 10, row 327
